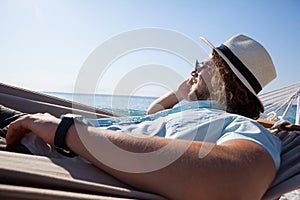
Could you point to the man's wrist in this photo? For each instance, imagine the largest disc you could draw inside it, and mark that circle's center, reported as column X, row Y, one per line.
column 179, row 97
column 60, row 136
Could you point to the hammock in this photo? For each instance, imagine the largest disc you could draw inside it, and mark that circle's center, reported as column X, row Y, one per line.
column 278, row 103
column 36, row 177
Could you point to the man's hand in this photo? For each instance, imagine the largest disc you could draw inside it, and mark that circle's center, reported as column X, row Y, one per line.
column 184, row 89
column 43, row 125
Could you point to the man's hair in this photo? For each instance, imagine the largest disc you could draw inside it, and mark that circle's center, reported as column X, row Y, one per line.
column 238, row 98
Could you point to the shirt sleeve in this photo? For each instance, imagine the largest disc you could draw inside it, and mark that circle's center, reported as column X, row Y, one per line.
column 244, row 128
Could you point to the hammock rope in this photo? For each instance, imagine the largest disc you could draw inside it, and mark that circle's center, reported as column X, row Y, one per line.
column 281, row 101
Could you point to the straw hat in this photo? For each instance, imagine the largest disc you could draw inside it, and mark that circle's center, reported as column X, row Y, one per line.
column 248, row 59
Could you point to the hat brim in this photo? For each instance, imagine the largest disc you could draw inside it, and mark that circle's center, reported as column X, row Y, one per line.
column 209, row 44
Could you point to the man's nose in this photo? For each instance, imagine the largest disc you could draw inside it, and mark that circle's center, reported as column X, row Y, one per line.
column 194, row 73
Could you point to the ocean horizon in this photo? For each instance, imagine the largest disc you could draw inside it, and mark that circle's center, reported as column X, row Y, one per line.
column 131, row 105
column 120, row 104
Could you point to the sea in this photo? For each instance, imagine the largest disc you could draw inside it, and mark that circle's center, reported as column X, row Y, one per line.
column 119, row 104
column 135, row 105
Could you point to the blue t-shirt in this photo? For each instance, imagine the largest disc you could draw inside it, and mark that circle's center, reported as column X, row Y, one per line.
column 197, row 121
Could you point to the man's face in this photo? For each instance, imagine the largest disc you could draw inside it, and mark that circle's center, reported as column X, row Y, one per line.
column 200, row 82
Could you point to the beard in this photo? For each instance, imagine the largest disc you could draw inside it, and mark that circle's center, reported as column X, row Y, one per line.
column 200, row 93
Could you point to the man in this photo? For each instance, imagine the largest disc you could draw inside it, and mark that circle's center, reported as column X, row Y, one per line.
column 214, row 79
column 200, row 153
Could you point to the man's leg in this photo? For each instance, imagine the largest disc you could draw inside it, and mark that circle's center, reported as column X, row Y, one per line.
column 7, row 116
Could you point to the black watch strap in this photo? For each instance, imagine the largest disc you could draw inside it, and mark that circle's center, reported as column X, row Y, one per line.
column 60, row 136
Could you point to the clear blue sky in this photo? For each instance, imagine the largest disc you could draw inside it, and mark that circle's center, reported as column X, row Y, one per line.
column 44, row 43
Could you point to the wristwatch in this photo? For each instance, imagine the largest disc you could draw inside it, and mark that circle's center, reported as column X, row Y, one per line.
column 60, row 135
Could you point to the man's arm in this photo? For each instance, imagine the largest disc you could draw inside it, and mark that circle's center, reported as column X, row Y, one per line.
column 164, row 102
column 170, row 99
column 237, row 169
